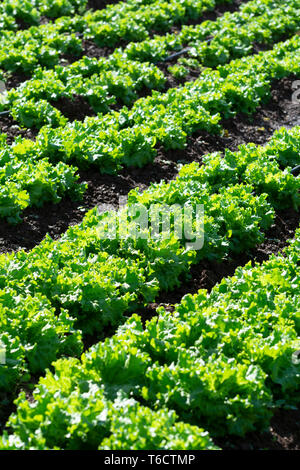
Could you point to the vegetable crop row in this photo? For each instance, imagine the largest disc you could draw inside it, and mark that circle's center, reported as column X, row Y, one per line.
column 231, row 35
column 44, row 45
column 224, row 361
column 87, row 281
column 30, row 183
column 138, row 25
column 30, row 12
column 129, row 137
column 102, row 82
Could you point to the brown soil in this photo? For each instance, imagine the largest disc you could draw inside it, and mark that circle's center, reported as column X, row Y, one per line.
column 283, row 434
column 76, row 108
column 99, row 4
column 90, row 49
column 11, row 128
column 14, row 80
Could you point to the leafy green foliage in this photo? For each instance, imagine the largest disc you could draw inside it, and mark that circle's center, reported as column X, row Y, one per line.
column 257, row 165
column 97, row 279
column 32, row 183
column 34, row 335
column 42, row 45
column 224, row 359
column 100, row 82
column 128, row 137
column 230, row 36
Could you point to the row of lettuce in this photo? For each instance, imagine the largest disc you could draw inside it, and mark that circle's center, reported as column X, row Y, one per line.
column 223, row 361
column 26, row 13
column 147, row 13
column 30, row 12
column 130, row 137
column 211, row 43
column 132, row 20
column 103, row 83
column 84, row 284
column 119, row 77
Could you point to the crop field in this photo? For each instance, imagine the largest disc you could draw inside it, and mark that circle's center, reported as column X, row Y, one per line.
column 149, row 225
